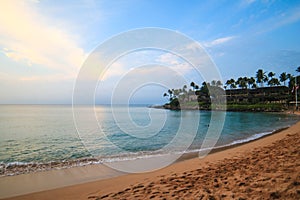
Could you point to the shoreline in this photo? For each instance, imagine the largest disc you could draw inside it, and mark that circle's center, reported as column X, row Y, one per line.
column 83, row 186
column 16, row 169
column 192, row 155
column 228, row 109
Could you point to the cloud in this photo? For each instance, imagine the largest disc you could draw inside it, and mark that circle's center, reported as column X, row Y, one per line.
column 219, row 41
column 141, row 58
column 176, row 63
column 46, row 78
column 194, row 46
column 168, row 59
column 27, row 37
column 115, row 70
column 248, row 2
column 288, row 17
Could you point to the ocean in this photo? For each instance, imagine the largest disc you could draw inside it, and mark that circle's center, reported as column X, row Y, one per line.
column 43, row 137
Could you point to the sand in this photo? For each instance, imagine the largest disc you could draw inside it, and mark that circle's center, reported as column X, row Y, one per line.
column 268, row 168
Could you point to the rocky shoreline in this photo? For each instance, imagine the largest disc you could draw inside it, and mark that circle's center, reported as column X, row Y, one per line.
column 233, row 108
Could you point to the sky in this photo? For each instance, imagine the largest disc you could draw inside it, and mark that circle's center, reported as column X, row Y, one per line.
column 45, row 44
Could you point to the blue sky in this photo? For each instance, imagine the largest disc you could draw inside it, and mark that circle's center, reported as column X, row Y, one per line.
column 43, row 44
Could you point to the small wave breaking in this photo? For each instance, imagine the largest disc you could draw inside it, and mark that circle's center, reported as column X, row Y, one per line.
column 16, row 168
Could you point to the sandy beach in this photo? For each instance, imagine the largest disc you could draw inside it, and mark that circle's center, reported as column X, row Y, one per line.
column 268, row 168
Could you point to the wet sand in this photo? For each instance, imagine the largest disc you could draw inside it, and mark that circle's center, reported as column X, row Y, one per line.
column 268, row 168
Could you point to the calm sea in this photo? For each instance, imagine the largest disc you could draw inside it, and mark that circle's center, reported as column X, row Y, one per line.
column 35, row 137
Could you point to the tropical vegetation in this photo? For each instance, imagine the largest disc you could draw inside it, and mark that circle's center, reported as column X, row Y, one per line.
column 200, row 97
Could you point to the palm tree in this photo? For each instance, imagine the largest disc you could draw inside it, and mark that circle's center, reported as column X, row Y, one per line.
column 283, row 77
column 271, row 74
column 231, row 83
column 176, row 92
column 241, row 82
column 228, row 82
column 192, row 85
column 213, row 83
column 251, row 81
column 266, row 79
column 170, row 94
column 204, row 88
column 245, row 81
column 260, row 77
column 276, row 81
column 269, row 79
column 273, row 82
column 291, row 81
column 219, row 83
column 185, row 93
column 184, row 88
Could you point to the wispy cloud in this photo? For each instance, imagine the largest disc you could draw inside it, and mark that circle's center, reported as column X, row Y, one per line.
column 141, row 58
column 285, row 18
column 117, row 69
column 26, row 36
column 176, row 63
column 248, row 1
column 219, row 41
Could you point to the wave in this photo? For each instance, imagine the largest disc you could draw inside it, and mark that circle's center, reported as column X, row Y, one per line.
column 16, row 168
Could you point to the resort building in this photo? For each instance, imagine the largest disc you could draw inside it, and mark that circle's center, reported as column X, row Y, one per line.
column 277, row 94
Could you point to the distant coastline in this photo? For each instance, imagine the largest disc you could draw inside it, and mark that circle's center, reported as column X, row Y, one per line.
column 231, row 108
column 243, row 95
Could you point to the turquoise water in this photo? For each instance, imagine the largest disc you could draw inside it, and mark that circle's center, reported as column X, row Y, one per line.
column 46, row 133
